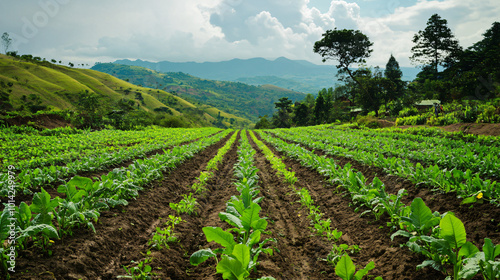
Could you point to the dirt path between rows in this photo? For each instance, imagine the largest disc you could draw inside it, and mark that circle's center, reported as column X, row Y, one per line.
column 373, row 237
column 122, row 233
column 480, row 220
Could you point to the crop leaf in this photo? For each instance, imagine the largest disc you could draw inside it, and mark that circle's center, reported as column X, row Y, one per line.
column 47, row 230
column 235, row 266
column 345, row 268
column 421, row 216
column 220, row 236
column 361, row 273
column 251, row 220
column 453, row 231
column 231, row 219
column 468, row 250
column 490, row 250
column 201, row 256
column 242, row 253
column 44, row 206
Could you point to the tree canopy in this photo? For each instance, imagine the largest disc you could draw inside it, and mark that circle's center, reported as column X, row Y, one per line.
column 347, row 46
column 435, row 44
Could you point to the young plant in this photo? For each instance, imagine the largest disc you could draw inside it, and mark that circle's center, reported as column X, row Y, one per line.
column 323, row 229
column 484, row 262
column 238, row 257
column 142, row 271
column 75, row 209
column 346, row 269
column 162, row 237
column 186, row 205
column 450, row 246
column 338, row 251
column 420, row 220
column 40, row 228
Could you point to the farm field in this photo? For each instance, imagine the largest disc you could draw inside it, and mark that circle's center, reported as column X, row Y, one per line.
column 314, row 194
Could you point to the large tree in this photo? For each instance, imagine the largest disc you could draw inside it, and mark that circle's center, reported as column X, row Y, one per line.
column 392, row 70
column 435, row 44
column 282, row 118
column 321, row 109
column 394, row 74
column 377, row 88
column 346, row 46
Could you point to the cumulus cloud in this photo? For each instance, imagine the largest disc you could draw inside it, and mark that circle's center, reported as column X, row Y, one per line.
column 214, row 30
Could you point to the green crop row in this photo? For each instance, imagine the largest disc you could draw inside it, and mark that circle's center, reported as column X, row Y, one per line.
column 165, row 235
column 212, row 165
column 446, row 246
column 339, row 255
column 30, row 178
column 31, row 151
column 240, row 252
column 83, row 200
column 465, row 184
column 445, row 153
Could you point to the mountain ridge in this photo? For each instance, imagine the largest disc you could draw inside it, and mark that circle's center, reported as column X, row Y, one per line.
column 304, row 76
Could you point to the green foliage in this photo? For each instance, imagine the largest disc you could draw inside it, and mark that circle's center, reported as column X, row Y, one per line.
column 346, row 269
column 407, row 112
column 242, row 100
column 162, row 237
column 392, row 70
column 5, row 90
column 367, row 121
column 434, row 44
column 263, row 123
column 142, row 271
column 484, row 262
column 346, row 46
column 186, row 205
column 282, row 118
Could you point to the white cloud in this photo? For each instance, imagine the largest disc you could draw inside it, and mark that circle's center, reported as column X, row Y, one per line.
column 213, row 30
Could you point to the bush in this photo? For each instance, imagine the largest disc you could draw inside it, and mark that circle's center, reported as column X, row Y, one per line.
column 412, row 120
column 489, row 114
column 368, row 121
column 443, row 120
column 407, row 112
column 468, row 115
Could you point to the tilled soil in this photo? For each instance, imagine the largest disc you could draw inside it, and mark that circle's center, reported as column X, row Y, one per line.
column 123, row 233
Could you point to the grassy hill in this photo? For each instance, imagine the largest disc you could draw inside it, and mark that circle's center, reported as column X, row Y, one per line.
column 58, row 88
column 237, row 98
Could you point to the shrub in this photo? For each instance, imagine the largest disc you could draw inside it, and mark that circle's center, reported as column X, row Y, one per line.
column 368, row 121
column 489, row 115
column 407, row 112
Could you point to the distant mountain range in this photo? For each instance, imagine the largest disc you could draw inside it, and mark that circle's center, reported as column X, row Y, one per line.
column 297, row 75
column 236, row 98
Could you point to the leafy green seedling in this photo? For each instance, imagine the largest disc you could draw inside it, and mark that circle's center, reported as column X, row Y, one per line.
column 346, row 269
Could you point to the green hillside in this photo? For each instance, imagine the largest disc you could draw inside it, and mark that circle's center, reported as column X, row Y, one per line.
column 58, row 88
column 237, row 98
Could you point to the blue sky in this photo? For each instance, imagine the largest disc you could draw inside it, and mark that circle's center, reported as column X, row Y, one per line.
column 88, row 31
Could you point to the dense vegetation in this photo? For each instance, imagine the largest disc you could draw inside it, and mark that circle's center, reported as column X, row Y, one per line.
column 199, row 202
column 236, row 98
column 466, row 81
